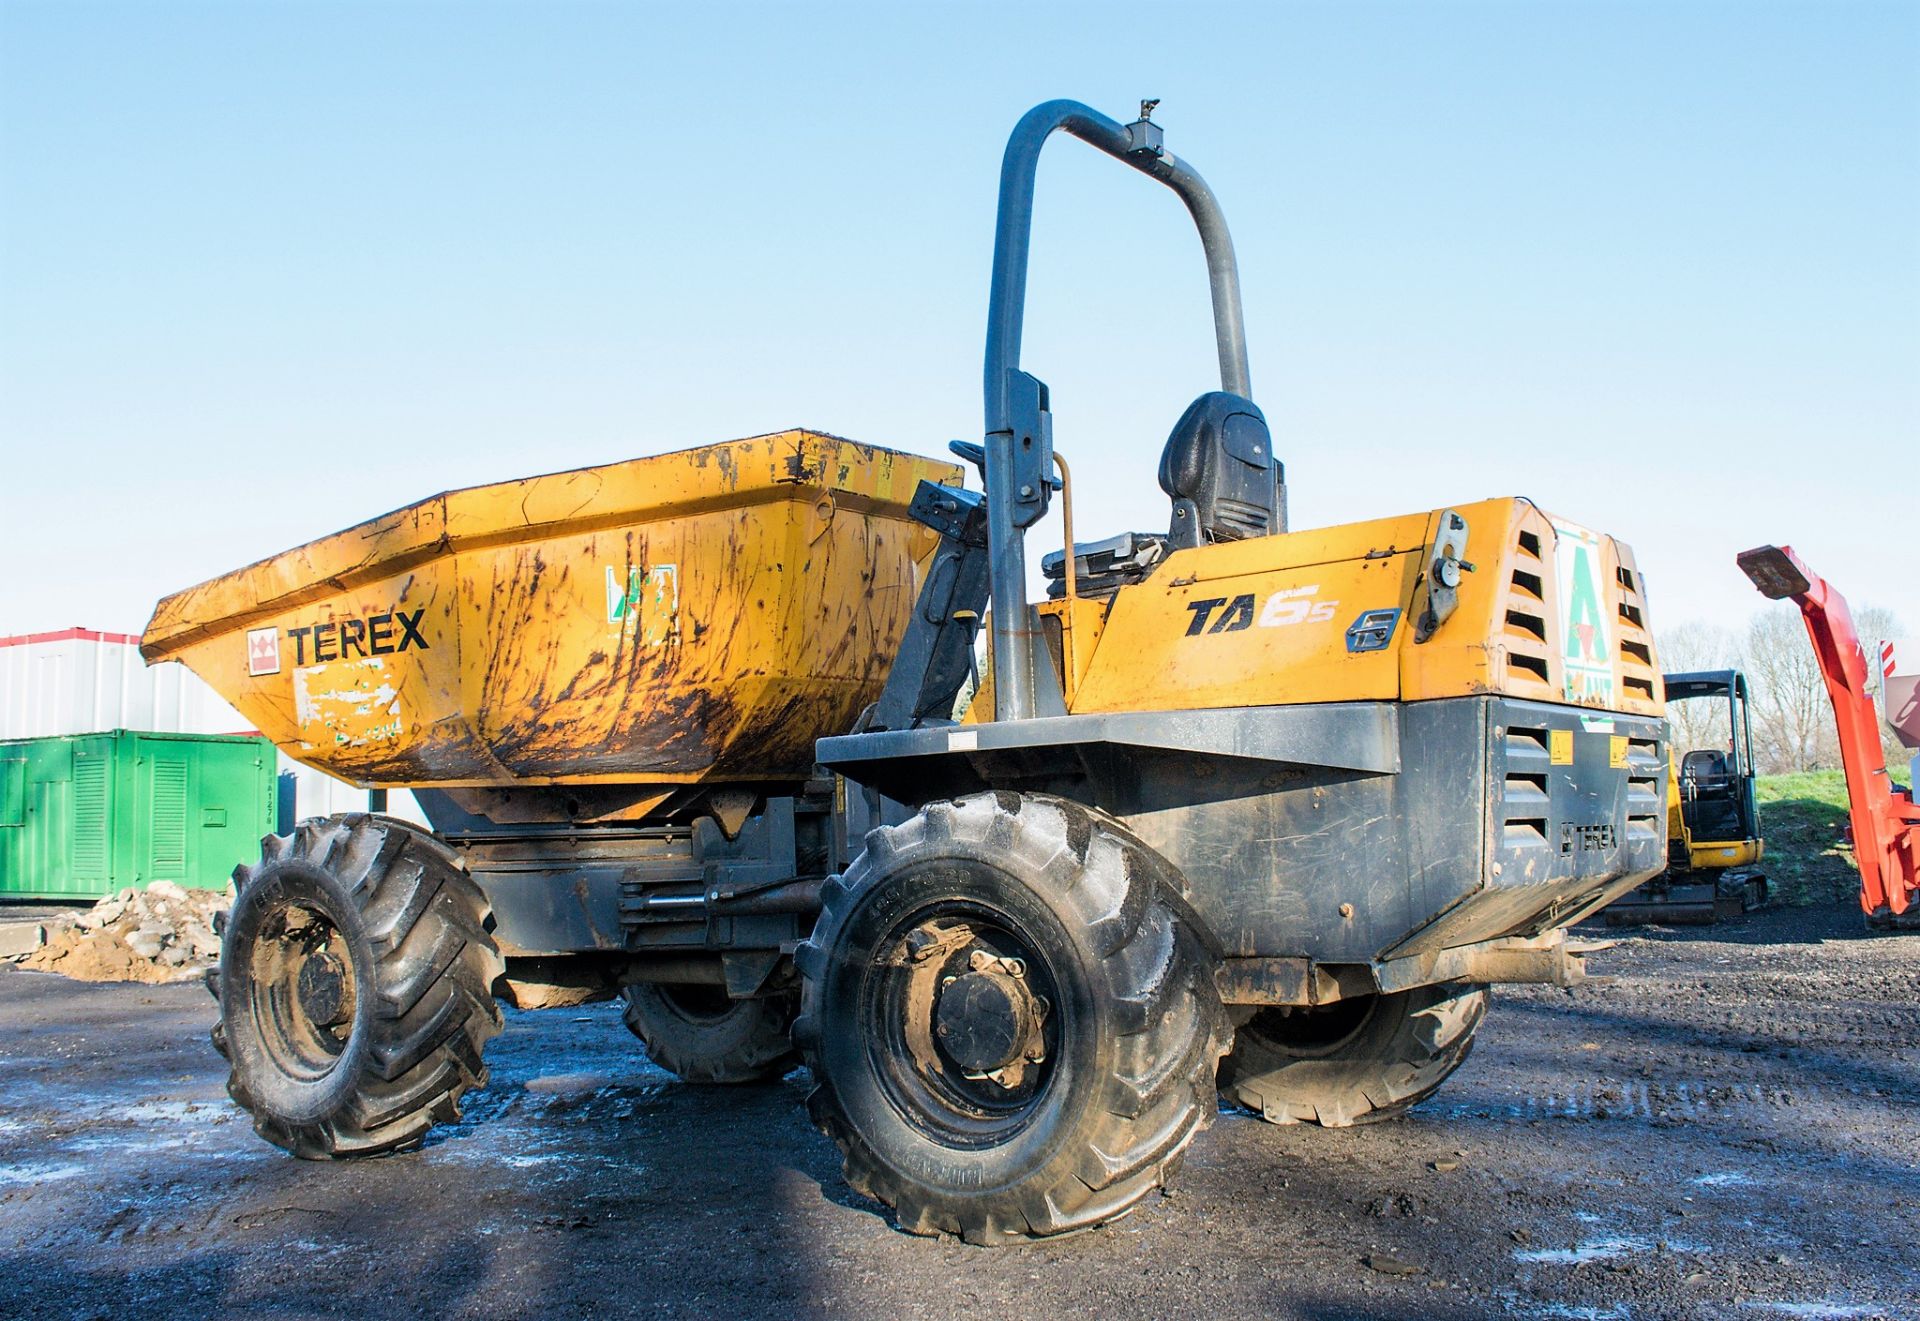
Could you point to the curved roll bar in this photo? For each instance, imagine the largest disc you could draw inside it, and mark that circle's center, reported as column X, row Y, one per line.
column 1019, row 431
column 1138, row 145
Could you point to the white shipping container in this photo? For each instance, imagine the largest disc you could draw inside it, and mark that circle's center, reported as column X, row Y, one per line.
column 83, row 681
column 80, row 681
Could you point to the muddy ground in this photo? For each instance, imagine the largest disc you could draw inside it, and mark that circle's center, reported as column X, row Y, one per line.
column 1730, row 1128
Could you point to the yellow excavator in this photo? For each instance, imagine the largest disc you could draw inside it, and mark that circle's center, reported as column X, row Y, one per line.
column 1714, row 845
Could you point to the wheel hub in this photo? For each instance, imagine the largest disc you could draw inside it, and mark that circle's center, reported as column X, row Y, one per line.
column 322, row 988
column 984, row 1019
column 988, row 1020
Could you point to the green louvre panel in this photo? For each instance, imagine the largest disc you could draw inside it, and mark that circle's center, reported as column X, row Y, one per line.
column 85, row 815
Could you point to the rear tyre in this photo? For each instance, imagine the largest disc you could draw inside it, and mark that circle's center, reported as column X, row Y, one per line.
column 703, row 1036
column 1013, row 1031
column 1355, row 1061
column 355, row 987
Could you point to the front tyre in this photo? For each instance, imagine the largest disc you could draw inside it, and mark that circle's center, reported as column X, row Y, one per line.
column 1354, row 1061
column 1013, row 1031
column 355, row 987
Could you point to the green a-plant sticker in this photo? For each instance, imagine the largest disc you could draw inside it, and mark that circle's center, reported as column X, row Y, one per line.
column 645, row 602
column 1586, row 648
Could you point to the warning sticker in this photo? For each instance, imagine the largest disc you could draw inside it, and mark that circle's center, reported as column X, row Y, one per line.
column 1560, row 747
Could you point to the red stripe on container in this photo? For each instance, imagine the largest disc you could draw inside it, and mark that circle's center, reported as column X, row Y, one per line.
column 70, row 635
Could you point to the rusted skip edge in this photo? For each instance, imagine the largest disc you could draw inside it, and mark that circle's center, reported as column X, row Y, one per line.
column 162, row 643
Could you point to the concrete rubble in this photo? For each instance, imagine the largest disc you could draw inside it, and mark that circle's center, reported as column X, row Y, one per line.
column 162, row 933
column 19, row 939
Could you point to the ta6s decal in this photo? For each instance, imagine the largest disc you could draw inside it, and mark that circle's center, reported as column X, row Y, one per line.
column 1292, row 605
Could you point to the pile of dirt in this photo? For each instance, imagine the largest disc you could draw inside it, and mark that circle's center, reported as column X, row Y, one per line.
column 163, row 933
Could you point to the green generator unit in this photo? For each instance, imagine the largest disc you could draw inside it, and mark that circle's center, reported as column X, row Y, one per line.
column 84, row 815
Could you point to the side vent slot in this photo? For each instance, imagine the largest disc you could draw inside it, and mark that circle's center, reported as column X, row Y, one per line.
column 1528, row 788
column 1525, row 634
column 1528, row 623
column 1524, row 744
column 1646, row 785
column 1536, row 666
column 1638, row 670
column 1526, row 832
column 1524, row 802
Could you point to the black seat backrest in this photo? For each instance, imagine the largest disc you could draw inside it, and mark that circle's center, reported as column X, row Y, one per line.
column 1705, row 770
column 1219, row 468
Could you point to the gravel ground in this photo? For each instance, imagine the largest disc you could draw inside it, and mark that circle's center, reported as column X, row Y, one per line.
column 1730, row 1127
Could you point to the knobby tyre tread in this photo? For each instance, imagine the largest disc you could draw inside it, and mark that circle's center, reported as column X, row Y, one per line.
column 1160, row 1024
column 417, row 928
column 1406, row 1047
column 750, row 1042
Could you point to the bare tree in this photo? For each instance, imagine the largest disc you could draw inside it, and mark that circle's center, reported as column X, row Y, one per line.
column 1794, row 727
column 1877, row 625
column 1697, row 646
column 1793, row 723
column 1690, row 647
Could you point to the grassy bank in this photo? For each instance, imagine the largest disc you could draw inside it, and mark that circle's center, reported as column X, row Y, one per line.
column 1803, row 819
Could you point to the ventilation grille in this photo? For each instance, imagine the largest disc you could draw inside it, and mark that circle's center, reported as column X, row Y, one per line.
column 1638, row 675
column 169, row 807
column 1646, row 791
column 1524, row 802
column 90, row 833
column 1524, row 633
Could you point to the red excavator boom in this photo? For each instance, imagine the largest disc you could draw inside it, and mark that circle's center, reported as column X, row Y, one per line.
column 1886, row 824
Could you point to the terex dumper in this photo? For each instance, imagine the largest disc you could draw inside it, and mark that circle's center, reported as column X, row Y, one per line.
column 1237, row 808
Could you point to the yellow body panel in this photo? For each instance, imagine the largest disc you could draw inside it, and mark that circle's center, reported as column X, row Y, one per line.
column 1550, row 612
column 1718, row 855
column 688, row 618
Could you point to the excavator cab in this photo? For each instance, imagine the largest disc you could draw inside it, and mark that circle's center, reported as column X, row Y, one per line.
column 1714, row 845
column 1719, row 823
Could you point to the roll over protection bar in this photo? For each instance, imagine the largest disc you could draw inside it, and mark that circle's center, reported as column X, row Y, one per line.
column 1019, row 441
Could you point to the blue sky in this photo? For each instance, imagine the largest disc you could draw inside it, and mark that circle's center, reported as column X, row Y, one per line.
column 269, row 269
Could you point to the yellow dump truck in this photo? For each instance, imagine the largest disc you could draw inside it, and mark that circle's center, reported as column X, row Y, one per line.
column 767, row 738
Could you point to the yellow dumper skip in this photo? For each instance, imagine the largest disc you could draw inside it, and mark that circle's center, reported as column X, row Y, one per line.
column 691, row 618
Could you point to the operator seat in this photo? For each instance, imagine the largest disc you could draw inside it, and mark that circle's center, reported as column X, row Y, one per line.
column 1704, row 772
column 1219, row 468
column 1710, row 801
